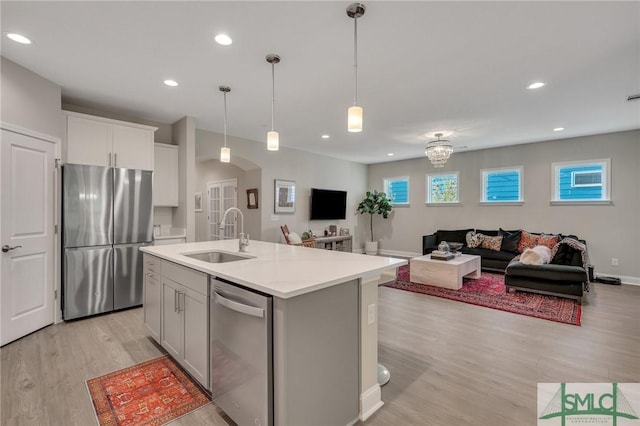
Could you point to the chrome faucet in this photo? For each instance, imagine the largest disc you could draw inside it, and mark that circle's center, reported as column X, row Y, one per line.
column 242, row 241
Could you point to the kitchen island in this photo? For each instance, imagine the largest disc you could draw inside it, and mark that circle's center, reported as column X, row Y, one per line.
column 324, row 321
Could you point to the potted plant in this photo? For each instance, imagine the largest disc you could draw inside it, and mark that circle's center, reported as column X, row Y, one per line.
column 374, row 203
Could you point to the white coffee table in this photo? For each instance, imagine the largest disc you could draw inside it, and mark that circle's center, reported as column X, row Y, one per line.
column 444, row 273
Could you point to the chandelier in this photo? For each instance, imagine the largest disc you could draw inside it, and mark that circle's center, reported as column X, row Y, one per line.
column 438, row 151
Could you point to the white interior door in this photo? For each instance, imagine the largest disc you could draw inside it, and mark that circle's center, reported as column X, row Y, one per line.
column 26, row 235
column 222, row 195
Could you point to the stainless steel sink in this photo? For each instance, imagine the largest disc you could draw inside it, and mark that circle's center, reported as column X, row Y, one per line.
column 217, row 257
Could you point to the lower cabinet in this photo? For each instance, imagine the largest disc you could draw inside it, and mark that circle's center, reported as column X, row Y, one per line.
column 185, row 319
column 152, row 296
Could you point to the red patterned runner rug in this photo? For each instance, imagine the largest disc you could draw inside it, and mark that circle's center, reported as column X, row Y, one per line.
column 489, row 291
column 151, row 393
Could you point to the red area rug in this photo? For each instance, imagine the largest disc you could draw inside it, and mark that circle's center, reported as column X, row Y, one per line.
column 489, row 291
column 151, row 393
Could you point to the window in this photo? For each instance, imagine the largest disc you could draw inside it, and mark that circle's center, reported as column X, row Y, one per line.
column 581, row 181
column 442, row 188
column 502, row 185
column 397, row 189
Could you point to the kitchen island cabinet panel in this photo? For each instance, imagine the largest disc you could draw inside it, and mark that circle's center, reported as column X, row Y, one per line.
column 171, row 319
column 316, row 357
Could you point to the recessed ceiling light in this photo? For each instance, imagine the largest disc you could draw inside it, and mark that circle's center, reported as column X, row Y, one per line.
column 390, row 154
column 223, row 39
column 19, row 38
column 535, row 85
column 171, row 83
column 558, row 129
column 325, row 136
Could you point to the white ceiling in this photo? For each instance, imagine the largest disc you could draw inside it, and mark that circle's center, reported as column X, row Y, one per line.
column 422, row 67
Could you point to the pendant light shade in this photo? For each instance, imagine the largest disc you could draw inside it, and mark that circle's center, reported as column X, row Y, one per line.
column 225, row 151
column 355, row 113
column 438, row 151
column 273, row 137
column 354, row 119
column 273, row 140
column 225, row 154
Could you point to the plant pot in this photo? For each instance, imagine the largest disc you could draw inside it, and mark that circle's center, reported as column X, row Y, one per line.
column 371, row 247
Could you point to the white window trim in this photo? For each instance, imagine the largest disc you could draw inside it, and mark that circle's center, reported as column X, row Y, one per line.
column 483, row 187
column 606, row 182
column 427, row 195
column 385, row 186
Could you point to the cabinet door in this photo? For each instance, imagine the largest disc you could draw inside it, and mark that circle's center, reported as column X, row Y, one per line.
column 88, row 142
column 165, row 175
column 196, row 335
column 132, row 147
column 172, row 324
column 152, row 303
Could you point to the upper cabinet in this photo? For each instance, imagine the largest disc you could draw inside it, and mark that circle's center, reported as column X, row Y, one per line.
column 99, row 141
column 165, row 176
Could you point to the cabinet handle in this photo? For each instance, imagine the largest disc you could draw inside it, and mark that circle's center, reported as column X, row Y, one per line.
column 175, row 300
column 110, row 160
column 183, row 296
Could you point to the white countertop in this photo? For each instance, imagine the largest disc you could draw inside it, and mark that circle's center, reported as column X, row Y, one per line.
column 280, row 270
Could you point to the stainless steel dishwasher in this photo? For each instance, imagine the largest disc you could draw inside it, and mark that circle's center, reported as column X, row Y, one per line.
column 241, row 353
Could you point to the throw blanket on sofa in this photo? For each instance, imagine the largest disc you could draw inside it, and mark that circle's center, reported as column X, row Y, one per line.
column 566, row 244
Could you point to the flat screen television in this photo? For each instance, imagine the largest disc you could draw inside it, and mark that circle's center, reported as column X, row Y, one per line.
column 328, row 204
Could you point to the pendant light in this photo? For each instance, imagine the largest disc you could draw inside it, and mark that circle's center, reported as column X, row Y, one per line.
column 225, row 151
column 273, row 138
column 438, row 151
column 354, row 115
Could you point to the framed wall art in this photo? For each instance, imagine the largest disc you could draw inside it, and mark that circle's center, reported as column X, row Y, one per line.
column 285, row 196
column 252, row 198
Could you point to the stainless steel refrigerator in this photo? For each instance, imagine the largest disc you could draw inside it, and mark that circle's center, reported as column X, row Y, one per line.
column 107, row 215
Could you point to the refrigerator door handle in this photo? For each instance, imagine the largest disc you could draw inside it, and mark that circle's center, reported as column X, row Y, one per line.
column 115, row 159
column 110, row 160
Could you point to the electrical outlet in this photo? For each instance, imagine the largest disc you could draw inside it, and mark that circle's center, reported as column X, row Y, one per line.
column 371, row 314
column 614, row 261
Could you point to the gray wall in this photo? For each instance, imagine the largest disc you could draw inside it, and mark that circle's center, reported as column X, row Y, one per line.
column 307, row 170
column 610, row 230
column 29, row 100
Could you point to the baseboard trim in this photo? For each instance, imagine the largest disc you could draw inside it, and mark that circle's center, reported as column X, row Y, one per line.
column 370, row 402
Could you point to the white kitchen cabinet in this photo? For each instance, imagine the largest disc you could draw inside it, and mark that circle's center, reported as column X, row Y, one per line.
column 152, row 297
column 185, row 319
column 165, row 176
column 99, row 141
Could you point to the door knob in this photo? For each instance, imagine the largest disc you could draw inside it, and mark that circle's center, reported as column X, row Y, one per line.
column 6, row 248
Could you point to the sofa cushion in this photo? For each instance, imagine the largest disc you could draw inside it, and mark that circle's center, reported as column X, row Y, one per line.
column 488, row 254
column 510, row 240
column 458, row 236
column 491, row 243
column 548, row 271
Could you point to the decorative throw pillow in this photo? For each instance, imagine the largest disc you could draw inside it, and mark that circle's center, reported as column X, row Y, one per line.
column 527, row 240
column 294, row 238
column 510, row 240
column 548, row 240
column 491, row 243
column 473, row 239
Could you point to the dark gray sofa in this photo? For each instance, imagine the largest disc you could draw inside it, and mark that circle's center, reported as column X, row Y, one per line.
column 565, row 276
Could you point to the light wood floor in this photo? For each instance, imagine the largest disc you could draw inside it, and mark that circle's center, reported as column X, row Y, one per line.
column 451, row 363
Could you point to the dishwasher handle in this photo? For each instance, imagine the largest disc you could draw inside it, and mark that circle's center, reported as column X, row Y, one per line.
column 239, row 307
